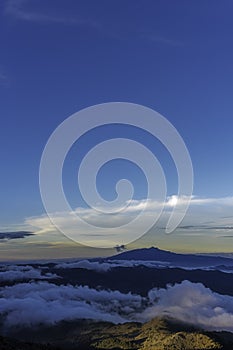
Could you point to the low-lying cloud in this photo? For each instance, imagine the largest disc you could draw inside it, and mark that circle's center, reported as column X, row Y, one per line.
column 24, row 272
column 37, row 303
column 34, row 303
column 191, row 303
column 107, row 266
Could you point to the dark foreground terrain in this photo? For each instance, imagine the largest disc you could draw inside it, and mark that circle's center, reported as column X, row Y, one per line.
column 158, row 334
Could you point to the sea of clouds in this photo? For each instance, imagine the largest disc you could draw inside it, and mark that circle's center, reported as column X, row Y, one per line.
column 43, row 302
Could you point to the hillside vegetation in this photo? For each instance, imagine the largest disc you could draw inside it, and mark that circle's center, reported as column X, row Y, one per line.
column 158, row 334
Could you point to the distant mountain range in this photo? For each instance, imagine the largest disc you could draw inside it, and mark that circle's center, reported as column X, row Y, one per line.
column 175, row 259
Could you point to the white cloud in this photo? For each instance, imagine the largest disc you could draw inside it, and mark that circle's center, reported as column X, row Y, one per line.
column 111, row 264
column 203, row 214
column 34, row 303
column 85, row 264
column 17, row 272
column 191, row 303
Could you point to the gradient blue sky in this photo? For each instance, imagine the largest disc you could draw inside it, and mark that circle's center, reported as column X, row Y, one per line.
column 58, row 57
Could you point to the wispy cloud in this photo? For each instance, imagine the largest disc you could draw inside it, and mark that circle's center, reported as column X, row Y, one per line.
column 161, row 39
column 19, row 10
column 204, row 216
column 165, row 41
column 4, row 79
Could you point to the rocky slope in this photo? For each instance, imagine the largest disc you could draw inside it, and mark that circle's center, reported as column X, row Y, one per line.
column 158, row 334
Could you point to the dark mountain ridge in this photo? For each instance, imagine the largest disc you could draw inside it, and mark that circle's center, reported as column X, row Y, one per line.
column 176, row 259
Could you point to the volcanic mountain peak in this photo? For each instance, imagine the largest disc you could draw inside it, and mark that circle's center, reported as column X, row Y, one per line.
column 176, row 259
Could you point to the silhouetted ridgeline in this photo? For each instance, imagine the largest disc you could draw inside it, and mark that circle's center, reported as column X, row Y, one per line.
column 156, row 254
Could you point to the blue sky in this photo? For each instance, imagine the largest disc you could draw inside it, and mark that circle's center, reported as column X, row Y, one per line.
column 58, row 57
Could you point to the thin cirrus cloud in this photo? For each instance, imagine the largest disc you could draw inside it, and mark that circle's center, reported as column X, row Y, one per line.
column 4, row 79
column 19, row 10
column 22, row 10
column 153, row 38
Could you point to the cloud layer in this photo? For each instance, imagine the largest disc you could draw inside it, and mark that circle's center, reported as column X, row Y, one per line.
column 34, row 303
column 43, row 302
column 106, row 266
column 192, row 303
column 204, row 214
column 17, row 272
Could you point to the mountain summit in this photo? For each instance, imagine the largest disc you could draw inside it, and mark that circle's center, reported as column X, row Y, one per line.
column 175, row 259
